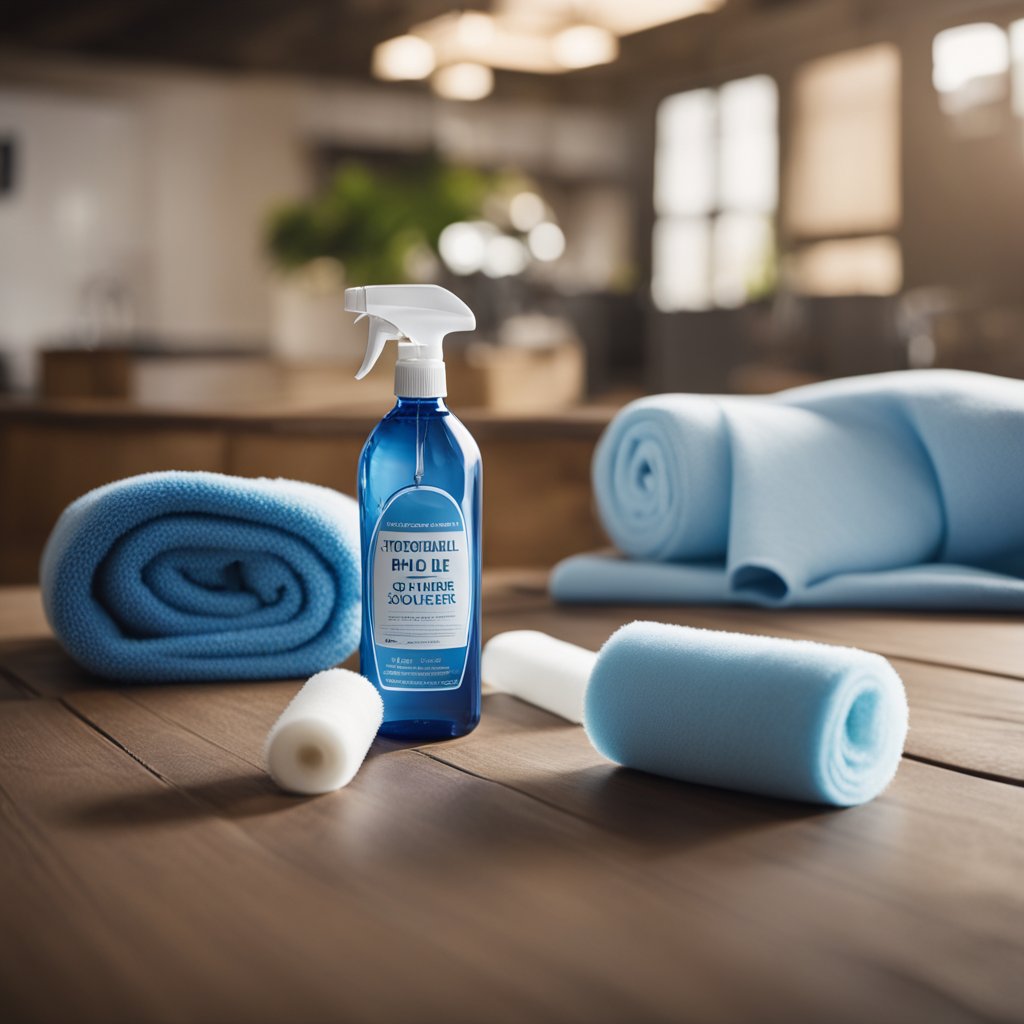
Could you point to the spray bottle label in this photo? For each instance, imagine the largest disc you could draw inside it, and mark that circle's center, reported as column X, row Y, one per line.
column 422, row 600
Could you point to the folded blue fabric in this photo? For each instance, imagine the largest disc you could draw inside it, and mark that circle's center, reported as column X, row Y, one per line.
column 785, row 718
column 190, row 576
column 900, row 489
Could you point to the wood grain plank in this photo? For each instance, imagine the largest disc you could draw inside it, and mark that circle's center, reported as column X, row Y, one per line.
column 42, row 668
column 965, row 720
column 659, row 894
column 130, row 898
column 978, row 642
column 11, row 688
column 114, row 916
column 915, row 877
column 411, row 897
column 968, row 720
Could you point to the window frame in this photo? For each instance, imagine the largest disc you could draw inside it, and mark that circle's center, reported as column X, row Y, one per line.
column 716, row 209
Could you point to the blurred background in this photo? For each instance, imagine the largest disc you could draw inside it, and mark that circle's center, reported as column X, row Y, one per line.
column 700, row 195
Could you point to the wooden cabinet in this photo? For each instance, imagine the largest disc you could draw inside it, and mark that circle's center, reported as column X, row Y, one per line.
column 537, row 504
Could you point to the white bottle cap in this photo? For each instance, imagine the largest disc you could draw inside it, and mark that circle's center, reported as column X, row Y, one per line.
column 419, row 378
column 418, row 317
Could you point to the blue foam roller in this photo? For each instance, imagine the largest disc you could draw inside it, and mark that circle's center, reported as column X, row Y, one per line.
column 784, row 718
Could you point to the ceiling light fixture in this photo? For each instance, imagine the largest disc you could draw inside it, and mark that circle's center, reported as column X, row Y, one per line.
column 474, row 28
column 544, row 37
column 482, row 39
column 546, row 241
column 624, row 17
column 462, row 245
column 463, row 81
column 584, row 46
column 505, row 257
column 526, row 210
column 403, row 59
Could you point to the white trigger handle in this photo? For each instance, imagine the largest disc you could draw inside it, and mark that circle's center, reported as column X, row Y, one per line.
column 381, row 332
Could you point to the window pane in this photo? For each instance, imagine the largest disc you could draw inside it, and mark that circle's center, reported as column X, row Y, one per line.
column 844, row 160
column 852, row 266
column 968, row 52
column 1017, row 53
column 684, row 159
column 682, row 278
column 743, row 258
column 969, row 72
column 748, row 178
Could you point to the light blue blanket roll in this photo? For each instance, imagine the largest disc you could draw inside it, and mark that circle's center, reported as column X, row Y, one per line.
column 895, row 490
column 785, row 718
column 181, row 576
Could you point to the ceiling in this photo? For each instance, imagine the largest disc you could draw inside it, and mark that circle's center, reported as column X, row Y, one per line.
column 337, row 37
column 311, row 36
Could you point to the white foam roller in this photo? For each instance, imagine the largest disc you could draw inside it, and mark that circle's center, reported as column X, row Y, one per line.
column 539, row 669
column 322, row 737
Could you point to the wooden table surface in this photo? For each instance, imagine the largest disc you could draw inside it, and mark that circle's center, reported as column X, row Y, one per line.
column 152, row 872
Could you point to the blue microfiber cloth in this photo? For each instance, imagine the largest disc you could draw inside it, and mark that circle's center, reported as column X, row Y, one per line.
column 189, row 576
column 895, row 490
column 785, row 718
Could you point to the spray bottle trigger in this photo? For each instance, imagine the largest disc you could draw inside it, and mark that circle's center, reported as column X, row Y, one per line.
column 380, row 333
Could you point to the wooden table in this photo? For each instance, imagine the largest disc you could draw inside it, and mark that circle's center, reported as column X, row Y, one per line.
column 151, row 871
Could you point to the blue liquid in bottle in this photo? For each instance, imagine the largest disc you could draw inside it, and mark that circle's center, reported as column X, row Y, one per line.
column 420, row 499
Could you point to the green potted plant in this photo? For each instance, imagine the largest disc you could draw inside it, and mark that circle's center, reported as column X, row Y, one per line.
column 367, row 227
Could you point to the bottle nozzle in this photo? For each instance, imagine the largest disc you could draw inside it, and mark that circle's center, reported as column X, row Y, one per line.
column 421, row 314
column 355, row 300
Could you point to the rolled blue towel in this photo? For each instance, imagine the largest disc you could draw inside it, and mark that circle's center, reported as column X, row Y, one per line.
column 900, row 489
column 181, row 576
column 784, row 718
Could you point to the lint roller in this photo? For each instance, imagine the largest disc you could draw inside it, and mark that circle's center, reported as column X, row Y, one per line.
column 540, row 669
column 784, row 718
column 323, row 735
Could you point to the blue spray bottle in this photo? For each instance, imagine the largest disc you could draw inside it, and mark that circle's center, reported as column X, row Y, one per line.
column 420, row 515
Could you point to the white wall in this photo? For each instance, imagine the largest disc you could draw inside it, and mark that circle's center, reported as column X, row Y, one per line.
column 221, row 155
column 163, row 179
column 160, row 180
column 77, row 214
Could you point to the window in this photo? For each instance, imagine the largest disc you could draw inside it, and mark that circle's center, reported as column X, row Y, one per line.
column 969, row 67
column 715, row 194
column 1017, row 59
column 976, row 68
column 842, row 184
